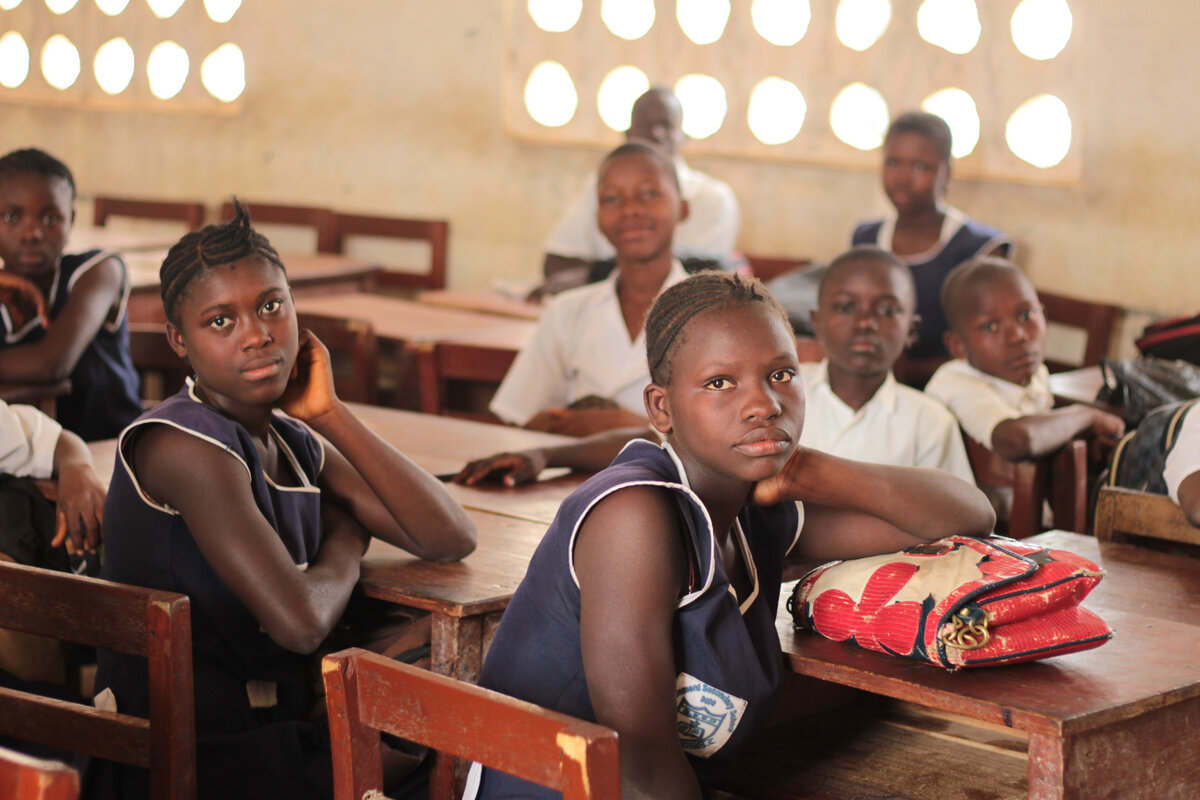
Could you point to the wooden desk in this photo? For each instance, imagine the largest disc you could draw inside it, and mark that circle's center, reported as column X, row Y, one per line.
column 89, row 237
column 483, row 301
column 312, row 274
column 1106, row 723
column 444, row 445
column 405, row 322
column 42, row 395
column 407, row 327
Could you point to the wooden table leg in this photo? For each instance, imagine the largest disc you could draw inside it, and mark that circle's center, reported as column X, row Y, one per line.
column 457, row 651
column 1148, row 756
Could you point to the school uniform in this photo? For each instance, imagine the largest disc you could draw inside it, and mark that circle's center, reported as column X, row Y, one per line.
column 961, row 239
column 1184, row 458
column 981, row 401
column 28, row 439
column 711, row 228
column 581, row 347
column 105, row 388
column 899, row 426
column 253, row 697
column 727, row 654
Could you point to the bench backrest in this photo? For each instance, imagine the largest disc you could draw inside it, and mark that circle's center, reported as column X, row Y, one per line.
column 126, row 619
column 367, row 693
column 24, row 777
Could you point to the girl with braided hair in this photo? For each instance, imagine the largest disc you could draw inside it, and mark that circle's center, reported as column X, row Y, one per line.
column 650, row 604
column 253, row 517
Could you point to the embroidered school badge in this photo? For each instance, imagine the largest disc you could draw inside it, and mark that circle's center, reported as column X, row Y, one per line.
column 705, row 716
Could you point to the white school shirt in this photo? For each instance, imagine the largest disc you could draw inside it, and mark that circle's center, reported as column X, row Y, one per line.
column 711, row 228
column 581, row 347
column 899, row 426
column 1184, row 458
column 27, row 441
column 981, row 401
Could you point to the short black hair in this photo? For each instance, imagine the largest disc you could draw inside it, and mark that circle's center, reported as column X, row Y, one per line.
column 638, row 147
column 867, row 253
column 30, row 160
column 963, row 278
column 211, row 246
column 679, row 304
column 923, row 123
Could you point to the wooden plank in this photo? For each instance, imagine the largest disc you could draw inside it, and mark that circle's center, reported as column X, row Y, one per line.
column 853, row 752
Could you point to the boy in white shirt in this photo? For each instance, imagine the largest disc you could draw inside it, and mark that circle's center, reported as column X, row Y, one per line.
column 855, row 408
column 997, row 384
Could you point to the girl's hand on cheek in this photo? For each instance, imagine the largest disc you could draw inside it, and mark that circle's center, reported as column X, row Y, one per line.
column 310, row 391
column 784, row 485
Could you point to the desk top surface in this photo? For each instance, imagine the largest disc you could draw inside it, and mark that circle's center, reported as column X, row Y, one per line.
column 401, row 320
column 1146, row 597
column 482, row 300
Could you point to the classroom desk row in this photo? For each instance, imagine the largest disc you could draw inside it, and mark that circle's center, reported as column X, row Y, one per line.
column 1105, row 723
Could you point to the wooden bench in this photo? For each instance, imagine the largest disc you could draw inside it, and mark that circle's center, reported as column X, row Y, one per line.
column 23, row 777
column 127, row 619
column 1123, row 514
column 367, row 693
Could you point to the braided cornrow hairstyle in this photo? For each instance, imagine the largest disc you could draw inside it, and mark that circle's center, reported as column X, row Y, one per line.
column 30, row 160
column 678, row 305
column 211, row 246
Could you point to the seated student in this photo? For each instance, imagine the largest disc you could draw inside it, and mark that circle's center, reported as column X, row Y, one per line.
column 86, row 335
column 33, row 531
column 1181, row 470
column 929, row 236
column 997, row 385
column 655, row 589
column 584, row 369
column 709, row 232
column 854, row 407
column 260, row 522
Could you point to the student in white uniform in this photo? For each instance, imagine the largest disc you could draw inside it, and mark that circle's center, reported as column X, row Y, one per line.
column 585, row 368
column 710, row 230
column 855, row 408
column 865, row 318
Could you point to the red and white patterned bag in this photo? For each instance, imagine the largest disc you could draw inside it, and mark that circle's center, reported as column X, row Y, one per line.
column 956, row 602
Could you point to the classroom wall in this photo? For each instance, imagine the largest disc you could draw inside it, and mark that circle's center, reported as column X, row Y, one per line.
column 395, row 106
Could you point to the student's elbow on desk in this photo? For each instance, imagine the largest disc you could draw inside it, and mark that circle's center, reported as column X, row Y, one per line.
column 454, row 543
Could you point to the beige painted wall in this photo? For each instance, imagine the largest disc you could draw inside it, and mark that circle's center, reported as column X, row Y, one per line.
column 395, row 106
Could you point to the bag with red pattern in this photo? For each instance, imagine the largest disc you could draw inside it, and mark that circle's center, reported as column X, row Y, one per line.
column 956, row 602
